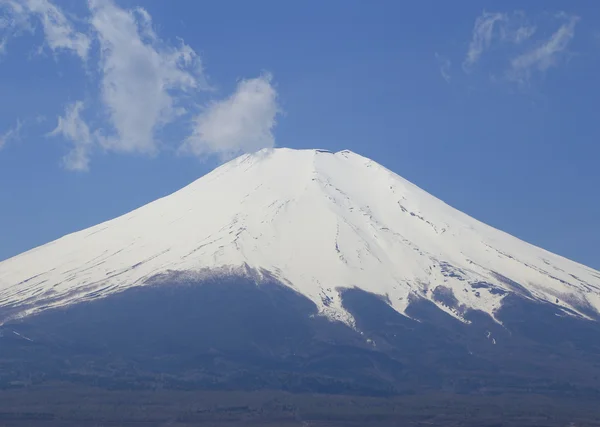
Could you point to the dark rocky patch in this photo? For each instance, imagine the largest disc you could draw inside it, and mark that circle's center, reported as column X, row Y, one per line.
column 491, row 288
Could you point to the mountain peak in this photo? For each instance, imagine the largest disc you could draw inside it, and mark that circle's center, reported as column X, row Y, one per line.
column 317, row 221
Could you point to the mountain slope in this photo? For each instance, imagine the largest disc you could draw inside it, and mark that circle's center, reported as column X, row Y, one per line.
column 314, row 220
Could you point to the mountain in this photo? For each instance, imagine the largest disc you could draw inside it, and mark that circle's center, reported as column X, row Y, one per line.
column 301, row 271
column 317, row 221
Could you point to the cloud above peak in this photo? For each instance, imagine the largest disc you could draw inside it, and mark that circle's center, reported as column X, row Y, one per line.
column 143, row 79
column 243, row 122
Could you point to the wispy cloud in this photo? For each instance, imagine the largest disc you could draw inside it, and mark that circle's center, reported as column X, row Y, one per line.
column 143, row 78
column 444, row 64
column 242, row 122
column 547, row 54
column 518, row 43
column 483, row 32
column 73, row 128
column 496, row 27
column 12, row 134
column 59, row 31
column 14, row 20
column 516, row 33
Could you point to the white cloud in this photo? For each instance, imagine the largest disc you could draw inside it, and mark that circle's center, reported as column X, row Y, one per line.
column 445, row 65
column 59, row 31
column 483, row 32
column 145, row 83
column 144, row 80
column 243, row 122
column 12, row 134
column 73, row 128
column 546, row 55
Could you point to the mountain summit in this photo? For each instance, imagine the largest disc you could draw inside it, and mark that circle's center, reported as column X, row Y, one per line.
column 318, row 222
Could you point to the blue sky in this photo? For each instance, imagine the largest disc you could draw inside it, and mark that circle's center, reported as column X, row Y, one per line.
column 492, row 107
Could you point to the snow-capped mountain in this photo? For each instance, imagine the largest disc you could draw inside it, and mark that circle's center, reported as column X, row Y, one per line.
column 318, row 222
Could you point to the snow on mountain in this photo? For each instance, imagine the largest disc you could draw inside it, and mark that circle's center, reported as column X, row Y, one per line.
column 319, row 222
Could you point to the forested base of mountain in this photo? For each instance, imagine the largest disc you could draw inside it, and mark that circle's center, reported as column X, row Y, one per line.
column 231, row 352
column 69, row 405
